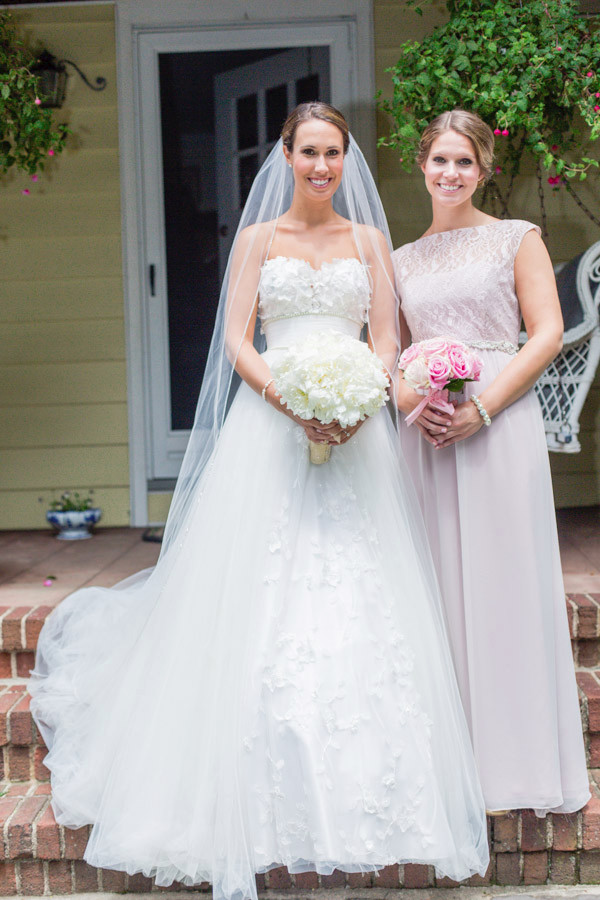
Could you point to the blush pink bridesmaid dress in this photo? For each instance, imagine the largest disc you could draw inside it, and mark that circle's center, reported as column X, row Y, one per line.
column 489, row 512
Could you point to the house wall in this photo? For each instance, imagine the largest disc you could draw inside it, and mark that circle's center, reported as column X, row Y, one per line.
column 576, row 477
column 63, row 404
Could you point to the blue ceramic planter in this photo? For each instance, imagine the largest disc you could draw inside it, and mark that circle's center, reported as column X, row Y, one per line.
column 74, row 526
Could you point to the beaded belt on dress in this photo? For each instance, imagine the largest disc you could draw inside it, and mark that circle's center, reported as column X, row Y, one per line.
column 504, row 346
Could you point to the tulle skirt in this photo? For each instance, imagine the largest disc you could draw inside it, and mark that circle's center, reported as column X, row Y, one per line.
column 490, row 518
column 278, row 690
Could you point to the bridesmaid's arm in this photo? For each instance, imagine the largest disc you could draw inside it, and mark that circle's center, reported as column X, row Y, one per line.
column 538, row 298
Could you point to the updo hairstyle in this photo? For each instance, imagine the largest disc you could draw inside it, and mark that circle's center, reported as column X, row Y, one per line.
column 470, row 126
column 313, row 110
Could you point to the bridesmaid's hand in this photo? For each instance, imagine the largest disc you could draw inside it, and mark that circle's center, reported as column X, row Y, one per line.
column 434, row 424
column 431, row 423
column 465, row 422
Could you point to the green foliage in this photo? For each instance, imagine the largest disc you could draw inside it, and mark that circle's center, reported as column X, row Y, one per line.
column 27, row 133
column 529, row 68
column 72, row 502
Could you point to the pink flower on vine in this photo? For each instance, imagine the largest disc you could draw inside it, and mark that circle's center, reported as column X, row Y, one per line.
column 554, row 148
column 597, row 108
column 37, row 101
column 26, row 192
column 35, row 177
column 498, row 169
column 497, row 131
column 505, row 131
column 51, row 152
column 597, row 94
column 589, row 74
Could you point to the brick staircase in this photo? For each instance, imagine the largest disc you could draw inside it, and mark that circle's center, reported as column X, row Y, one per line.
column 37, row 856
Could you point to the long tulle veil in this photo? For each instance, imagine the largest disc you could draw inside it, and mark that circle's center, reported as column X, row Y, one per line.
column 357, row 200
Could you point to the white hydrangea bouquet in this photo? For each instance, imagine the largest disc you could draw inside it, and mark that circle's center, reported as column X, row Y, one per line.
column 330, row 377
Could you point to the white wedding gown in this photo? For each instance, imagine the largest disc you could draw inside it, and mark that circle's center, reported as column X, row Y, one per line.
column 278, row 690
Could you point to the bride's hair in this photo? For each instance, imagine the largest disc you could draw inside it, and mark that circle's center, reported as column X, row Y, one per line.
column 470, row 126
column 316, row 109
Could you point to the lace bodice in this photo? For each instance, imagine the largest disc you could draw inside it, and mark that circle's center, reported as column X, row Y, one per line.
column 461, row 283
column 290, row 287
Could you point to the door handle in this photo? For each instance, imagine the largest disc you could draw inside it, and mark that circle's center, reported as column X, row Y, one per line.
column 152, row 274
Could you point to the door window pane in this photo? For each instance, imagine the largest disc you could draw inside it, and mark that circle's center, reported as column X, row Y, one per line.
column 247, row 122
column 247, row 172
column 307, row 89
column 276, row 110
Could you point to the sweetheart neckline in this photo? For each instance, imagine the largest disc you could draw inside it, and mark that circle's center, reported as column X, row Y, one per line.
column 327, row 262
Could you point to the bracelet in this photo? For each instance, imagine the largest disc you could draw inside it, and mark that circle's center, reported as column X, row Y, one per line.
column 481, row 410
column 264, row 390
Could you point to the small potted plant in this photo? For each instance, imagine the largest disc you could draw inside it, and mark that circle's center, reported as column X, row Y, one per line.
column 73, row 515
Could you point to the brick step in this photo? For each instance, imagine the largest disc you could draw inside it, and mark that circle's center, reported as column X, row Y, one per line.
column 583, row 611
column 20, row 628
column 38, row 856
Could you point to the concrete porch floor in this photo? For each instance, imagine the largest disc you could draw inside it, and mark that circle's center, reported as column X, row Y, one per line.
column 28, row 558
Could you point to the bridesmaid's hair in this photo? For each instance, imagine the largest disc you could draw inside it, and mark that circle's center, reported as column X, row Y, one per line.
column 470, row 126
column 316, row 109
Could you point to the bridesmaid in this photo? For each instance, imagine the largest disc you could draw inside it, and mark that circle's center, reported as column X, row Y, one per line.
column 483, row 477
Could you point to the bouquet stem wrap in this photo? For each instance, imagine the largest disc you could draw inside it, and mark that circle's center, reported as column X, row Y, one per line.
column 319, row 453
column 439, row 399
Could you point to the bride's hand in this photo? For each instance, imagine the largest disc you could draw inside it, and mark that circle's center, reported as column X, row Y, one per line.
column 330, row 434
column 333, row 433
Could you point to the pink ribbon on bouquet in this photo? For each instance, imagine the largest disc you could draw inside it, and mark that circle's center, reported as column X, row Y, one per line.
column 436, row 398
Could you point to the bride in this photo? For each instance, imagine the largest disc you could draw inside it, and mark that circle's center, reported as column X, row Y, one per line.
column 279, row 689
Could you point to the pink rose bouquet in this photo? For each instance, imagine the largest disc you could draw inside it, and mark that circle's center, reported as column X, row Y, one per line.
column 434, row 368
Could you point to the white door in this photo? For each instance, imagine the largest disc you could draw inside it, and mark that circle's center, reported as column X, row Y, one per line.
column 251, row 104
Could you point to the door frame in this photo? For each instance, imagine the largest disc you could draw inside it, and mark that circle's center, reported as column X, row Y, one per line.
column 227, row 24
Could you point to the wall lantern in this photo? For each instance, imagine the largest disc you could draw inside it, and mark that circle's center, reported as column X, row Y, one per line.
column 52, row 74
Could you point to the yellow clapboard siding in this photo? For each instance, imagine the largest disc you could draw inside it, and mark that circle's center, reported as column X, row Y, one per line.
column 77, row 39
column 88, row 382
column 395, row 22
column 63, row 397
column 40, row 215
column 587, row 460
column 62, row 342
column 74, row 425
column 76, row 298
column 158, row 507
column 64, row 14
column 93, row 127
column 576, row 489
column 22, row 509
column 61, row 467
column 54, row 257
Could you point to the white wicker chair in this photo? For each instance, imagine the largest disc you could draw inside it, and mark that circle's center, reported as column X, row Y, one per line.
column 564, row 386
